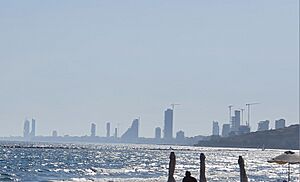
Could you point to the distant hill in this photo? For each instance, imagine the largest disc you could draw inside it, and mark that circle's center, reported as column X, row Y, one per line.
column 285, row 138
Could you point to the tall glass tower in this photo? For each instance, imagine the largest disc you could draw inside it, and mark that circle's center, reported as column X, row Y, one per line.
column 26, row 129
column 93, row 130
column 108, row 129
column 32, row 134
column 168, row 127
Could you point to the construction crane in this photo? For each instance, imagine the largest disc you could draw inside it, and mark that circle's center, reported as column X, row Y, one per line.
column 248, row 106
column 242, row 110
column 230, row 108
column 173, row 106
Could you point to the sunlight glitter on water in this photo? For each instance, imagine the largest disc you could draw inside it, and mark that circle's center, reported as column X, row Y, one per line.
column 120, row 162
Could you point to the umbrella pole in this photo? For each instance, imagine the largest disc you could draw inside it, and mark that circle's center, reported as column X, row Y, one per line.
column 172, row 164
column 202, row 168
column 243, row 175
column 289, row 170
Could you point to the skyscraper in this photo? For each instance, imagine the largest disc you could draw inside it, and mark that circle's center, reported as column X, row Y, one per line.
column 263, row 125
column 32, row 133
column 26, row 129
column 108, row 129
column 236, row 121
column 225, row 130
column 168, row 124
column 132, row 133
column 215, row 129
column 116, row 133
column 93, row 130
column 157, row 133
column 232, row 123
column 279, row 123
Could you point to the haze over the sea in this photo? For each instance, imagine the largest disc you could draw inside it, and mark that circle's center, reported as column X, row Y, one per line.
column 70, row 63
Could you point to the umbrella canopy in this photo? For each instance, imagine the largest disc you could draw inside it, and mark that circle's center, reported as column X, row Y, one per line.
column 287, row 157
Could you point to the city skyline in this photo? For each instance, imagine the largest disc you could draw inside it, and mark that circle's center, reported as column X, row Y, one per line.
column 167, row 133
column 70, row 65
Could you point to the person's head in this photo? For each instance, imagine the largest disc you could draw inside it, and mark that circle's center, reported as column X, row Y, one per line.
column 187, row 173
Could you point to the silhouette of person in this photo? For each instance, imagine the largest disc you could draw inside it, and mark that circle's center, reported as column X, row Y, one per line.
column 188, row 177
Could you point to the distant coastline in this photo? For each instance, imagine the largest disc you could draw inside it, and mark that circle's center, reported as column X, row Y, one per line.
column 187, row 141
column 285, row 138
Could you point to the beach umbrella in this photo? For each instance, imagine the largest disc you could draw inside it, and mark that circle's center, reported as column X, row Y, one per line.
column 172, row 164
column 287, row 157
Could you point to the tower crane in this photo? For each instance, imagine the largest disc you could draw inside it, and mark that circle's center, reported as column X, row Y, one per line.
column 242, row 110
column 173, row 106
column 248, row 107
column 230, row 108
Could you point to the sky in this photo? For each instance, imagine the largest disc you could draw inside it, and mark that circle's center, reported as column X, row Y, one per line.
column 70, row 63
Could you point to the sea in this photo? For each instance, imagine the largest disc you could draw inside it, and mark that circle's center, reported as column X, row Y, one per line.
column 20, row 161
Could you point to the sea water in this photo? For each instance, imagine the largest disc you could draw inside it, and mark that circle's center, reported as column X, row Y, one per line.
column 132, row 162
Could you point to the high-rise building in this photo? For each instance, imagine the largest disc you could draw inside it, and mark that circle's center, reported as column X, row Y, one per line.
column 168, row 127
column 236, row 121
column 225, row 130
column 232, row 123
column 157, row 133
column 93, row 130
column 237, row 115
column 26, row 130
column 180, row 135
column 263, row 125
column 54, row 133
column 108, row 129
column 215, row 128
column 279, row 123
column 32, row 133
column 116, row 133
column 133, row 132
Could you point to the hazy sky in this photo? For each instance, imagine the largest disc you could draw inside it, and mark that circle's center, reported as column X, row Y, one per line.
column 70, row 63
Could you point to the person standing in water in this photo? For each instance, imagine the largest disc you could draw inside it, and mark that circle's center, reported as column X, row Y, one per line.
column 188, row 177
